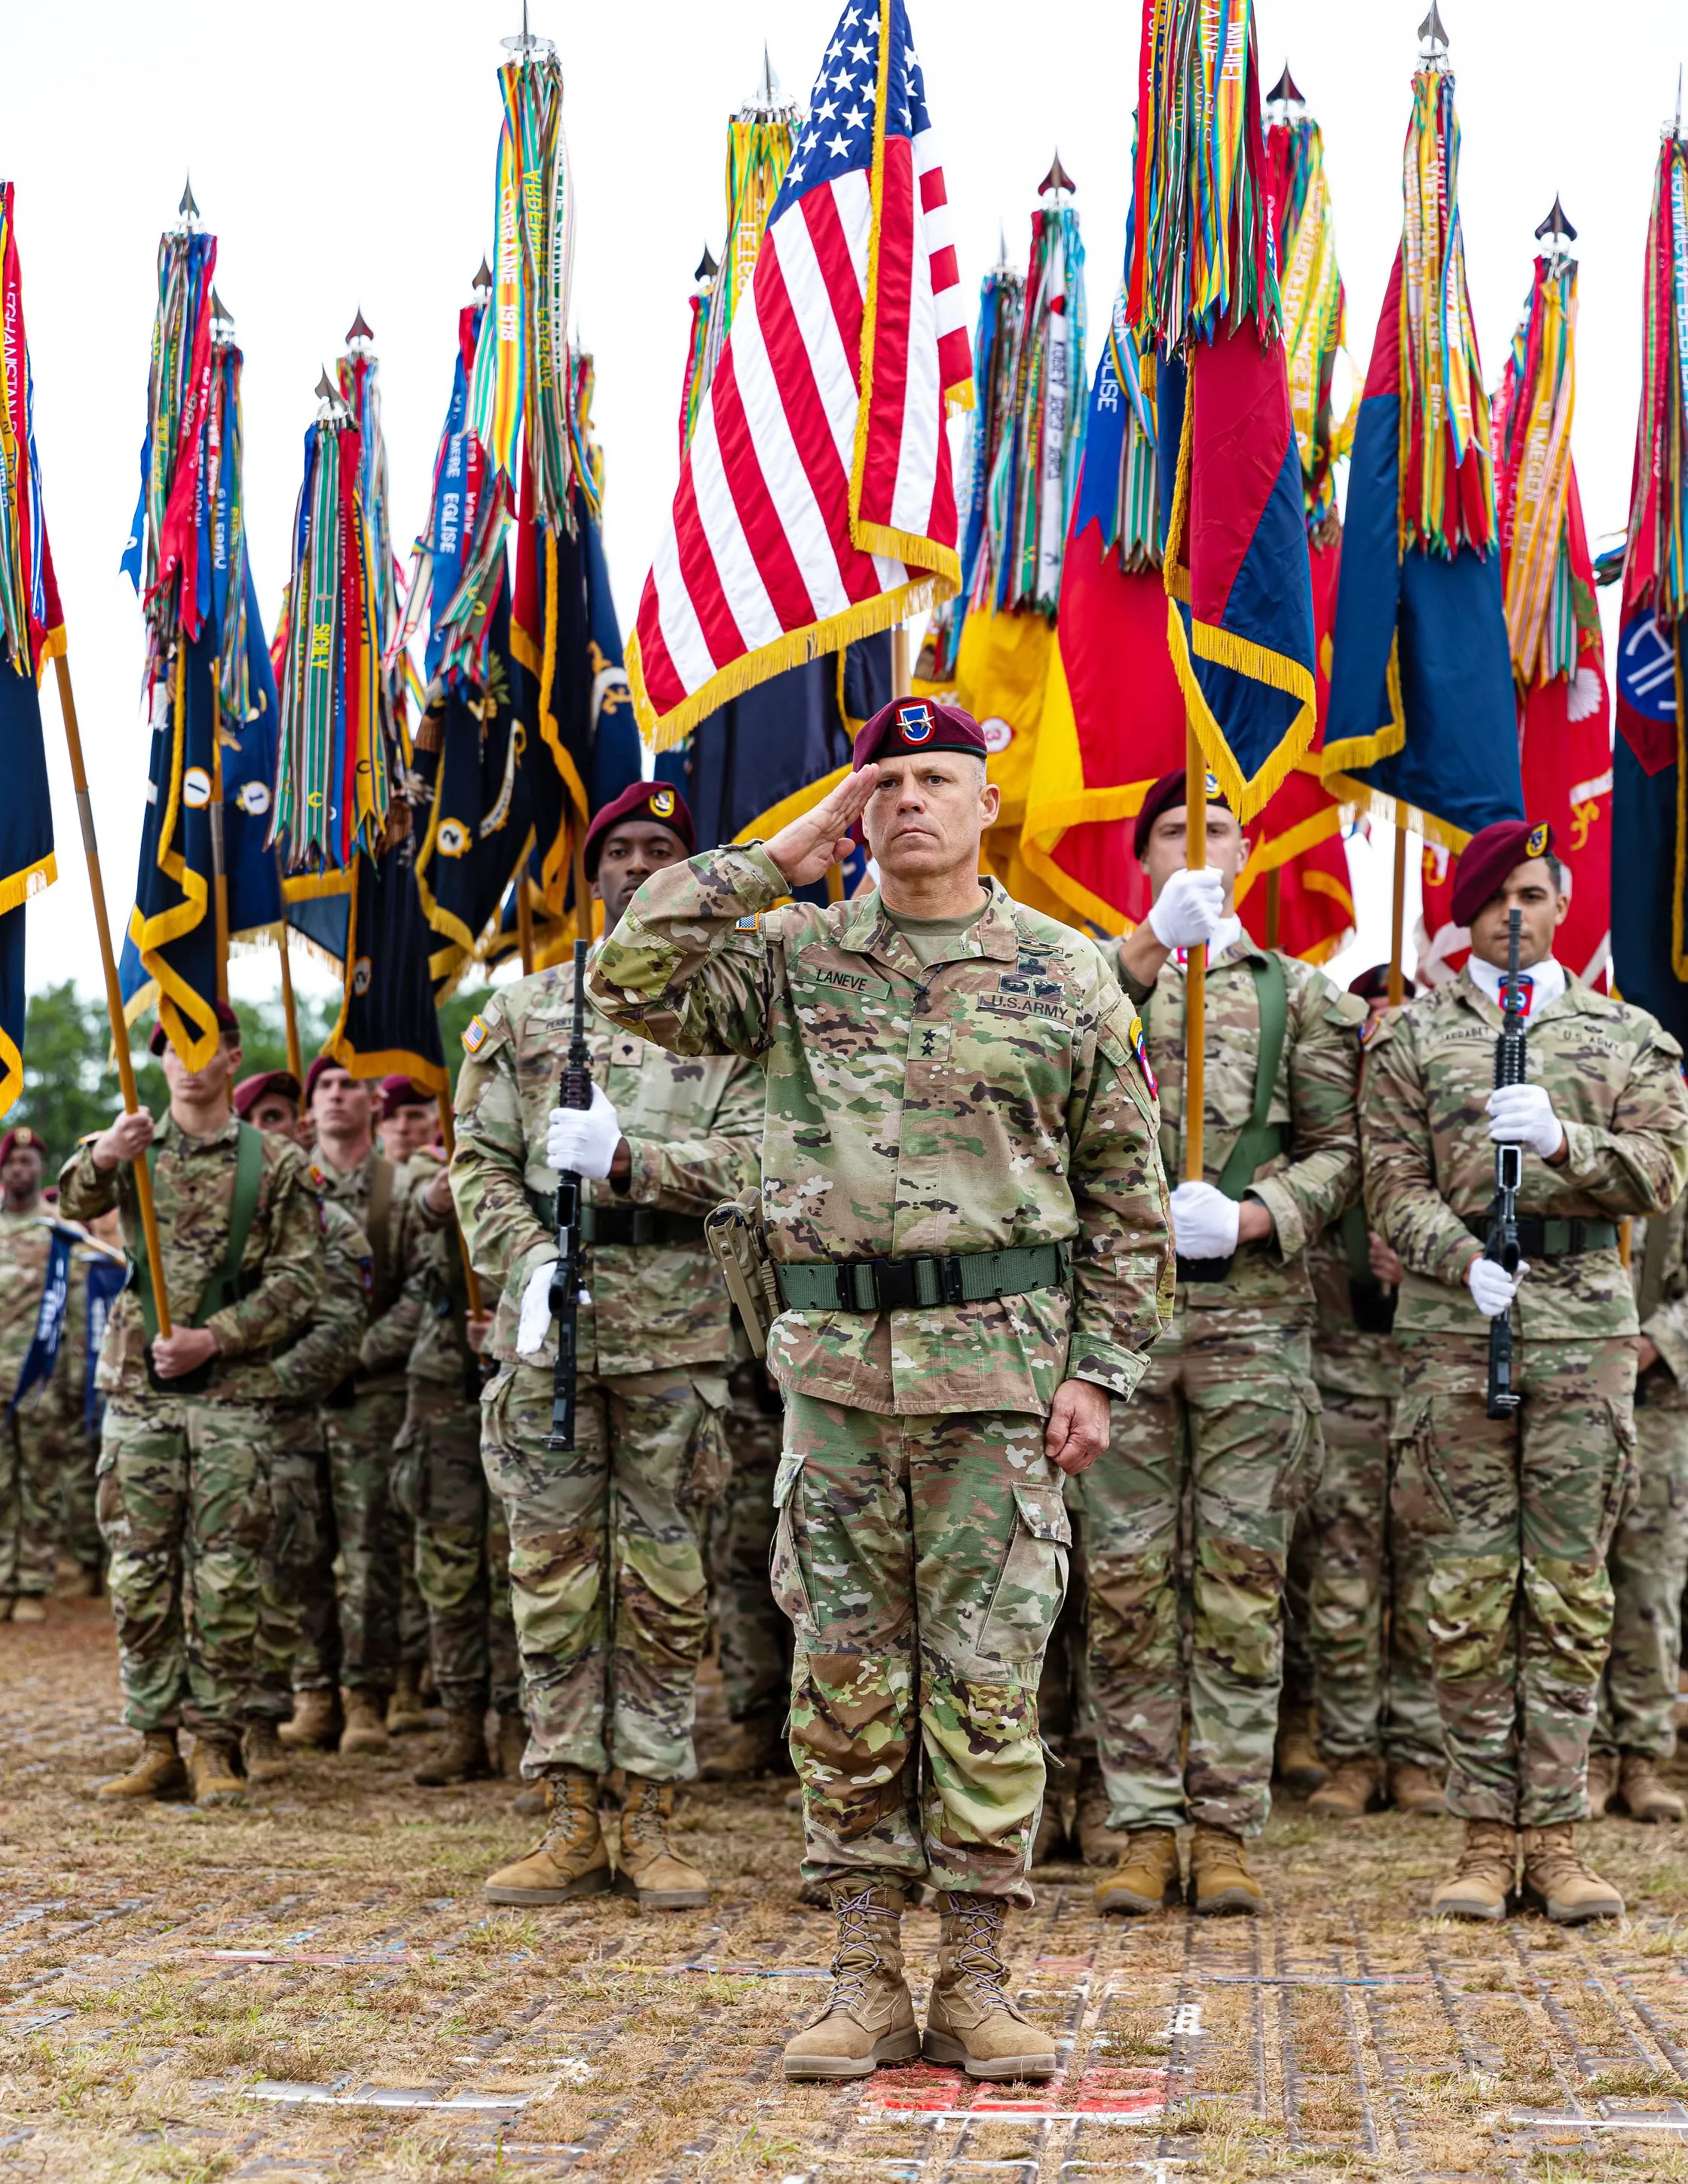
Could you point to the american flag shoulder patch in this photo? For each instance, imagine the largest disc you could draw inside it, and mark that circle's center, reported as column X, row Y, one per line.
column 475, row 1035
column 750, row 924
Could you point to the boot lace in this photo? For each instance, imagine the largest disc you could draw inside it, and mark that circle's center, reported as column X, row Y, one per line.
column 858, row 1956
column 971, row 1948
column 1555, row 1857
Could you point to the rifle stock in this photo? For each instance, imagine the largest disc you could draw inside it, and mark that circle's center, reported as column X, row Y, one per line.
column 576, row 1091
column 1509, row 1062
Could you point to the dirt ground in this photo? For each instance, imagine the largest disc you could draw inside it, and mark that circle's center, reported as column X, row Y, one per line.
column 313, row 1989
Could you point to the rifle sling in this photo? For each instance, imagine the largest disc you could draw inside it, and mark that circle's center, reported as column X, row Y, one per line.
column 225, row 1285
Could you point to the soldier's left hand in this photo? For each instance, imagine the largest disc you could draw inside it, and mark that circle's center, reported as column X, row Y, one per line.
column 184, row 1349
column 1522, row 1115
column 1204, row 1222
column 1078, row 1429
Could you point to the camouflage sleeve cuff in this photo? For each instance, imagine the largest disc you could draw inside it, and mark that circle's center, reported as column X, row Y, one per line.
column 644, row 1175
column 1134, row 989
column 1289, row 1237
column 770, row 884
column 226, row 1327
column 1669, row 1335
column 522, row 1270
column 1107, row 1364
column 423, row 1208
column 85, row 1191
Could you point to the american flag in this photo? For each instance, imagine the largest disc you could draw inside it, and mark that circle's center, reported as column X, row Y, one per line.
column 816, row 503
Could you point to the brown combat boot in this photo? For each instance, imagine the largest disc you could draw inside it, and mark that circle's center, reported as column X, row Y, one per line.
column 265, row 1761
column 1147, row 1878
column 570, row 1860
column 646, row 1864
column 969, row 2019
column 512, row 1744
column 1297, row 1763
column 317, row 1719
column 407, row 1709
column 753, row 1747
column 1559, row 1884
column 1098, row 1843
column 463, row 1756
column 1220, row 1882
column 366, row 1730
column 214, row 1769
column 1417, row 1790
column 1644, row 1797
column 537, row 1797
column 157, row 1771
column 29, row 1607
column 1355, row 1786
column 1481, row 1884
column 1602, row 1783
column 869, row 2015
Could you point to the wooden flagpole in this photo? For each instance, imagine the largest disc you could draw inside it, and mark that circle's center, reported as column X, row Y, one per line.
column 114, row 992
column 219, row 866
column 524, row 920
column 1398, row 910
column 1195, row 963
column 289, row 1010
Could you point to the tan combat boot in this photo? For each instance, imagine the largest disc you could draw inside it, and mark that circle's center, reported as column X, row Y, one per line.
column 538, row 1798
column 1098, row 1844
column 29, row 1607
column 969, row 2019
column 570, row 1860
column 317, row 1719
column 407, row 1710
column 1355, row 1786
column 512, row 1744
column 366, row 1730
column 753, row 1747
column 1559, row 1884
column 1053, row 1843
column 157, row 1771
column 646, row 1864
column 1219, row 1879
column 214, row 1769
column 1645, row 1797
column 1602, row 1782
column 1297, row 1763
column 870, row 2016
column 463, row 1756
column 1147, row 1879
column 265, row 1761
column 1417, row 1790
column 1481, row 1884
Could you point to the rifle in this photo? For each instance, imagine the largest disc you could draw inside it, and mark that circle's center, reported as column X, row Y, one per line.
column 576, row 1091
column 1503, row 1214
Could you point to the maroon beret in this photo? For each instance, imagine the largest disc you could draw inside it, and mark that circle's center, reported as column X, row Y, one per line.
column 909, row 725
column 397, row 1092
column 657, row 800
column 1489, row 856
column 1172, row 790
column 1373, row 984
column 313, row 1075
column 226, row 1021
column 251, row 1089
column 21, row 1139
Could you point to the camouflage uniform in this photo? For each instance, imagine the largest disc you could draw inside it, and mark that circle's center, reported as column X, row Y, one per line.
column 755, row 1637
column 1228, row 1412
column 1368, row 1551
column 360, row 1422
column 30, row 1436
column 605, row 1550
column 297, row 1570
column 1648, row 1560
column 184, row 1495
column 1522, row 1511
column 78, row 1426
column 989, row 1101
column 462, row 1543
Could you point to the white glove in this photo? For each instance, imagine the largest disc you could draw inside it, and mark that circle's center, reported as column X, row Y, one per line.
column 1522, row 1115
column 1204, row 1222
column 534, row 1330
column 1191, row 909
column 583, row 1140
column 1492, row 1288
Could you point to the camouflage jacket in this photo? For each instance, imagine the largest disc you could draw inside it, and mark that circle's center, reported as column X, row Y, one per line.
column 25, row 1241
column 1314, row 1100
column 1615, row 1080
column 693, row 1129
column 392, row 1323
column 1658, row 1272
column 434, row 1280
column 992, row 1100
column 315, row 1363
column 1348, row 1359
column 193, row 1189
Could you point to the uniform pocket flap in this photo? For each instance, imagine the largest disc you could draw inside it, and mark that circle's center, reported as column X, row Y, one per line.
column 786, row 1477
column 1043, row 1513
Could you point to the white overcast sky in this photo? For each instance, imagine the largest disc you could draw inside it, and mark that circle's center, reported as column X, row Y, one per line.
column 343, row 157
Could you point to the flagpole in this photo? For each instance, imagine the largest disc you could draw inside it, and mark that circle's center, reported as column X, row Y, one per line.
column 1195, row 964
column 1398, row 910
column 289, row 1013
column 218, row 869
column 114, row 992
column 524, row 920
column 583, row 892
column 448, row 1137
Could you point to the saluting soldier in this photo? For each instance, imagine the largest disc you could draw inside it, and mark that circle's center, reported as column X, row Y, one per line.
column 184, row 1499
column 1229, row 1413
column 606, row 1573
column 1522, row 1508
column 968, row 1222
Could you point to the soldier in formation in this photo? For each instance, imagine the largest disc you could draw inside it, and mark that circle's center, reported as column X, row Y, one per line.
column 33, row 1252
column 1524, row 1506
column 967, row 1218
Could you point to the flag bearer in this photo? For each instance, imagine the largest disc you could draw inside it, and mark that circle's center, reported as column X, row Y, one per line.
column 1522, row 1508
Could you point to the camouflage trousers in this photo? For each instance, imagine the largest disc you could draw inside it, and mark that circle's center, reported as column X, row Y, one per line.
column 1648, row 1565
column 77, row 1500
column 1520, row 1514
column 606, row 1579
column 184, row 1507
column 755, row 1638
column 922, row 1562
column 1367, row 1592
column 296, row 1577
column 462, row 1551
column 1228, row 1417
column 375, row 1544
column 29, row 1504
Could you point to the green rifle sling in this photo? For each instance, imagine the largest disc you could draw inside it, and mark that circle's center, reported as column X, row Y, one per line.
column 1259, row 1141
column 249, row 1176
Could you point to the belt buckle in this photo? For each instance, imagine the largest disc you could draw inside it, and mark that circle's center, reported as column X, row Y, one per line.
column 895, row 1288
column 949, row 1279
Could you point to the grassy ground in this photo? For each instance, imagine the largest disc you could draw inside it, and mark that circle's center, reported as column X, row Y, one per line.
column 313, row 1989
